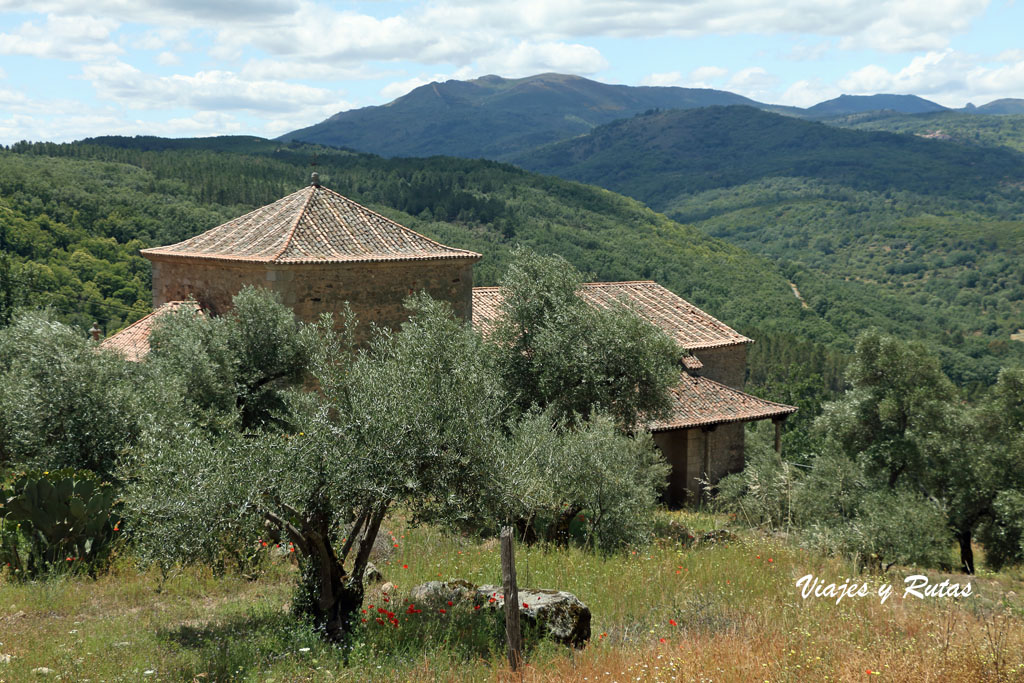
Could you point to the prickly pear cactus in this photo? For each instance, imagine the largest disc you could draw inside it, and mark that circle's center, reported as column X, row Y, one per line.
column 56, row 522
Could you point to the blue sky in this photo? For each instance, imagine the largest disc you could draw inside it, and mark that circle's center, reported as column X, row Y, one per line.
column 75, row 68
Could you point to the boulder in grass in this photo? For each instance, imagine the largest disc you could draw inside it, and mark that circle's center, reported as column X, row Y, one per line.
column 440, row 593
column 371, row 574
column 558, row 615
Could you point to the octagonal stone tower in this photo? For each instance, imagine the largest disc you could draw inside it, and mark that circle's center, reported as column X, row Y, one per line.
column 318, row 250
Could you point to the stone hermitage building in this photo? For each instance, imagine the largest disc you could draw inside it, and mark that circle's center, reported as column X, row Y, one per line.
column 319, row 250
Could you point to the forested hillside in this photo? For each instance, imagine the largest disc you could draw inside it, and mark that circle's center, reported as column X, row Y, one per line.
column 76, row 214
column 922, row 238
column 994, row 130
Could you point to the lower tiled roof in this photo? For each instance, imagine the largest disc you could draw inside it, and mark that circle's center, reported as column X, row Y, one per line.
column 689, row 326
column 133, row 341
column 702, row 402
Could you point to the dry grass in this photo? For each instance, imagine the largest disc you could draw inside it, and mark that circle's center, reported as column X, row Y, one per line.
column 738, row 616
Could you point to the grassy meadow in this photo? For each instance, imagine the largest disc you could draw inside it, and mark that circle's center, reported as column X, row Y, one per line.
column 682, row 609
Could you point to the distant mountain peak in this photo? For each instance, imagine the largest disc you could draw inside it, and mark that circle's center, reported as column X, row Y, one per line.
column 845, row 105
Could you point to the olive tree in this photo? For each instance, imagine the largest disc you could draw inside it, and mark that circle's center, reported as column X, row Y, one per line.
column 551, row 475
column 555, row 352
column 407, row 421
column 63, row 401
column 236, row 367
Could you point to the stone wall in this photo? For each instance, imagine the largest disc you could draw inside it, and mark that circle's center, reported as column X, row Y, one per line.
column 374, row 290
column 684, row 451
column 726, row 364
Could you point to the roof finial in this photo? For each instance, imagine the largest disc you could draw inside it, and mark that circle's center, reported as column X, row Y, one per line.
column 314, row 179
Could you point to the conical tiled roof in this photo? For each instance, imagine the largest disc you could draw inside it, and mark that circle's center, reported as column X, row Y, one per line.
column 313, row 225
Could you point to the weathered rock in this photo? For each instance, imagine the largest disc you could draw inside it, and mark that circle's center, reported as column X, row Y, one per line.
column 42, row 671
column 558, row 615
column 371, row 574
column 717, row 536
column 439, row 593
column 387, row 588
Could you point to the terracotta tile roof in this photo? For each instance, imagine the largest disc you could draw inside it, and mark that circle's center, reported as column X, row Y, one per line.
column 702, row 402
column 313, row 225
column 692, row 363
column 133, row 341
column 690, row 327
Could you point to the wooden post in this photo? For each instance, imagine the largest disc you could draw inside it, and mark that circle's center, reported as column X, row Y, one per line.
column 513, row 633
column 778, row 436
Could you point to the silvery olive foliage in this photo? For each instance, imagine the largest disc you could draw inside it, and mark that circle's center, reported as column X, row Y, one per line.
column 407, row 421
column 63, row 402
column 418, row 419
column 592, row 474
column 908, row 467
column 556, row 352
column 234, row 367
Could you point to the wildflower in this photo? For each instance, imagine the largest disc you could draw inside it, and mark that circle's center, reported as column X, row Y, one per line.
column 672, row 622
column 770, row 559
column 476, row 607
column 450, row 603
column 661, row 640
column 442, row 611
column 526, row 606
column 405, row 566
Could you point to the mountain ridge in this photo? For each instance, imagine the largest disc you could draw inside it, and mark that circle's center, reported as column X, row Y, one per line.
column 502, row 118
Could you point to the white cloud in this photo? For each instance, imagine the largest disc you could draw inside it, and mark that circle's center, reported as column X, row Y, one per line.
column 63, row 37
column 884, row 24
column 708, row 73
column 528, row 58
column 808, row 93
column 754, row 82
column 803, row 52
column 393, row 91
column 179, row 13
column 168, row 59
column 668, row 78
column 287, row 69
column 158, row 39
column 701, row 77
column 948, row 77
column 206, row 90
